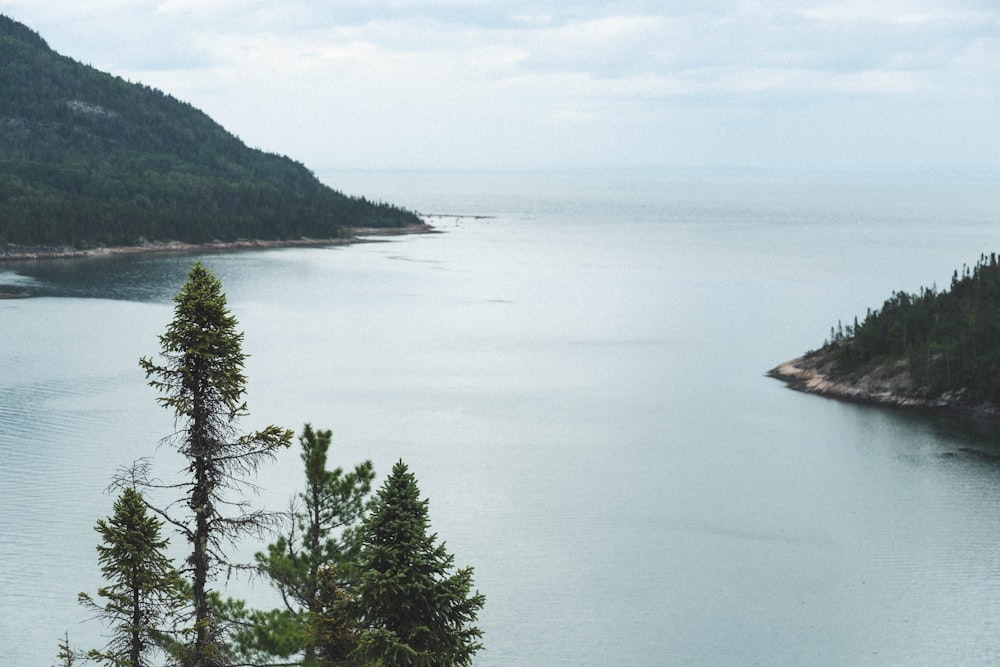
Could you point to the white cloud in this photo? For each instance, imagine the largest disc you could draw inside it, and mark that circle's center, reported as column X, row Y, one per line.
column 458, row 83
column 881, row 12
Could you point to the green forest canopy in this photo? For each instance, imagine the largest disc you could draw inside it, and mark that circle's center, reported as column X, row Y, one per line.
column 87, row 158
column 948, row 340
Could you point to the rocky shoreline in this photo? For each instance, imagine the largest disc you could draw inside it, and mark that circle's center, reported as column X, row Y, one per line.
column 357, row 235
column 813, row 373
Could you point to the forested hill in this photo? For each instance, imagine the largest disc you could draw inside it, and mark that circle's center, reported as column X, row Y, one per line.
column 87, row 158
column 934, row 348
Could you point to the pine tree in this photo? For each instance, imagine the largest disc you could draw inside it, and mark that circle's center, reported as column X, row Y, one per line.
column 315, row 557
column 143, row 589
column 413, row 611
column 202, row 382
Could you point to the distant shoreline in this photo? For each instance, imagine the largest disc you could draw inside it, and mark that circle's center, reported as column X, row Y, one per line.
column 357, row 235
column 812, row 374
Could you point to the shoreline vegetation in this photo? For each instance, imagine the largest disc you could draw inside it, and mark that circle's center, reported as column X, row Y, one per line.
column 354, row 235
column 12, row 253
column 935, row 350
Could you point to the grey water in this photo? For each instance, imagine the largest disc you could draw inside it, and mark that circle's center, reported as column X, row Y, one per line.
column 578, row 382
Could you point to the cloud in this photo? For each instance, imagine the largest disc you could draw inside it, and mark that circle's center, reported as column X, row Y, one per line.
column 893, row 12
column 460, row 82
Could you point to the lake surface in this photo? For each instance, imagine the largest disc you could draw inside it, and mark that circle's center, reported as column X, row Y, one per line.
column 577, row 382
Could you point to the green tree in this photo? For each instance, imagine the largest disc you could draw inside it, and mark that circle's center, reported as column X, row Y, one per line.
column 331, row 632
column 313, row 559
column 413, row 610
column 202, row 382
column 143, row 591
column 67, row 656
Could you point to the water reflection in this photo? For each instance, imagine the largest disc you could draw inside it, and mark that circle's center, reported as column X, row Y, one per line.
column 950, row 436
column 130, row 278
column 151, row 277
column 975, row 438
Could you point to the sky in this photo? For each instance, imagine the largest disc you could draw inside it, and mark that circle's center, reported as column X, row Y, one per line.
column 518, row 84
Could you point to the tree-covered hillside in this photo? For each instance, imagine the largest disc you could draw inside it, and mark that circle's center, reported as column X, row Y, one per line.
column 88, row 159
column 947, row 341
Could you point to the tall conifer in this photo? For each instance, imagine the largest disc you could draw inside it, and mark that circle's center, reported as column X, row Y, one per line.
column 201, row 380
column 414, row 611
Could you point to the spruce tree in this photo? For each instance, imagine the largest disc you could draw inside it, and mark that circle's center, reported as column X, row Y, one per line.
column 67, row 656
column 143, row 590
column 201, row 380
column 414, row 611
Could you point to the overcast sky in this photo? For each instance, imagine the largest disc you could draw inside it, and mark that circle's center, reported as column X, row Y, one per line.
column 459, row 84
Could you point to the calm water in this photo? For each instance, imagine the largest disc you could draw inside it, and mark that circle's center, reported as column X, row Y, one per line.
column 578, row 384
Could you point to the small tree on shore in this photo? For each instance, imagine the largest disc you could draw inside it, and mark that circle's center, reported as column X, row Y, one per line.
column 412, row 608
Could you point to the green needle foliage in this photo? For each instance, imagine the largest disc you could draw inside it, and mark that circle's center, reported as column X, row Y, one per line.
column 66, row 655
column 201, row 380
column 414, row 611
column 332, row 633
column 313, row 563
column 324, row 532
column 143, row 592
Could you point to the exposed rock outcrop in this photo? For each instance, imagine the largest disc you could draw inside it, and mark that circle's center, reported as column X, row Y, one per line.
column 892, row 386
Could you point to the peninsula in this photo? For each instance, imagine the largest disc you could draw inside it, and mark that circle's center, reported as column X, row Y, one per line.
column 91, row 161
column 934, row 350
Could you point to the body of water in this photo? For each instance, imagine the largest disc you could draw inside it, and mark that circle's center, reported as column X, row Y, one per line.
column 577, row 381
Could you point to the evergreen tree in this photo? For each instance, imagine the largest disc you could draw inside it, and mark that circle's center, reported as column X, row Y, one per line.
column 315, row 557
column 331, row 632
column 67, row 656
column 143, row 588
column 202, row 382
column 413, row 611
